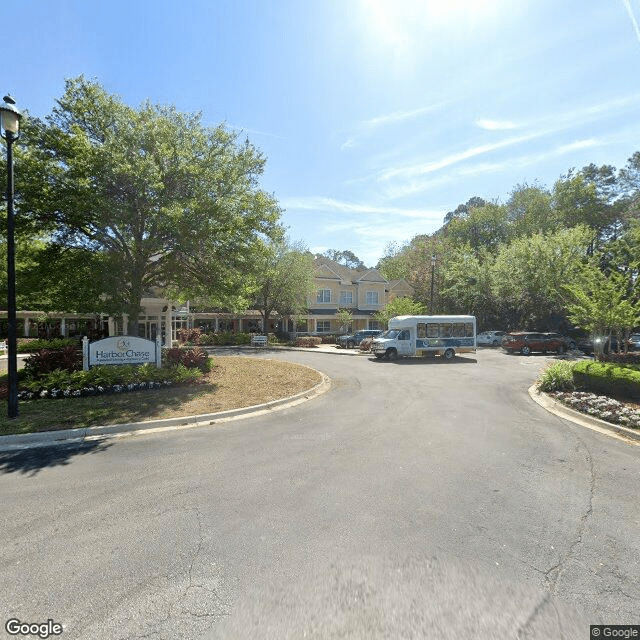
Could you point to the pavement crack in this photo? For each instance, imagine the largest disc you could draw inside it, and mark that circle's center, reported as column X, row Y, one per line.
column 552, row 575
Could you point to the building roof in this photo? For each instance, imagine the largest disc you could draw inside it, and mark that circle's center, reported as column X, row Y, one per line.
column 326, row 268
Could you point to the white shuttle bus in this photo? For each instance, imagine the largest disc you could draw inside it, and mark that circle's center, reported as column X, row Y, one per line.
column 422, row 335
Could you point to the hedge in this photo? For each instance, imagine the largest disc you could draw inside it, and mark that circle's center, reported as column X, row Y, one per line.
column 608, row 378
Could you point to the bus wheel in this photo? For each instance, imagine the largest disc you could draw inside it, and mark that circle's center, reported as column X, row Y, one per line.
column 448, row 354
column 379, row 356
column 392, row 354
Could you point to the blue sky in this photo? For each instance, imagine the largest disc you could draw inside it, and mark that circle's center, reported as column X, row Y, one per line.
column 376, row 116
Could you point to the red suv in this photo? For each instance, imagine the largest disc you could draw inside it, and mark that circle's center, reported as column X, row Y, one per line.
column 526, row 342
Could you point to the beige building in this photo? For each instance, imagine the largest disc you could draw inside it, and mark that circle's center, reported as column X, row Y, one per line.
column 363, row 293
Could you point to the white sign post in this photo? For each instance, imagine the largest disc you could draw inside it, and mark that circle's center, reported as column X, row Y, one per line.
column 121, row 350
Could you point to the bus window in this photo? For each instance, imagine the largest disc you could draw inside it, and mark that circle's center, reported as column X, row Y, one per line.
column 468, row 328
column 458, row 330
column 445, row 330
column 422, row 330
column 432, row 330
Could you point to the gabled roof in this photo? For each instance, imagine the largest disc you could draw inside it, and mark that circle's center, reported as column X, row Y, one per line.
column 325, row 265
column 373, row 275
column 392, row 284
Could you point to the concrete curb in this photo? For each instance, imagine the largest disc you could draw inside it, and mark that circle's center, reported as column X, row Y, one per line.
column 630, row 436
column 48, row 438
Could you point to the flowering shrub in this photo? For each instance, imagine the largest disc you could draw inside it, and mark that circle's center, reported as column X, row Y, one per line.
column 600, row 407
column 106, row 379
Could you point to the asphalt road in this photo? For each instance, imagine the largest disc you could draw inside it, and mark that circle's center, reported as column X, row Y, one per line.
column 417, row 499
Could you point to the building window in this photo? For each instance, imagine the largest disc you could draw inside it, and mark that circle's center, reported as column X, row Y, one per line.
column 346, row 297
column 373, row 324
column 372, row 297
column 323, row 326
column 324, row 295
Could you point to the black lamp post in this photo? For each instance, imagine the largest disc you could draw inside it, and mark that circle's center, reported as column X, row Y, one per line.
column 11, row 127
column 433, row 270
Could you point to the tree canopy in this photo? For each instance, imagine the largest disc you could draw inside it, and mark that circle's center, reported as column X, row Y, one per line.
column 149, row 196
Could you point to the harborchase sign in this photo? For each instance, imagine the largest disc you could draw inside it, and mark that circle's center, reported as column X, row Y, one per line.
column 120, row 350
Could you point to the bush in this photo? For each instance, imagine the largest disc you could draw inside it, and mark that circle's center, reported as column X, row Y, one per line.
column 557, row 377
column 608, row 378
column 107, row 379
column 620, row 358
column 48, row 360
column 329, row 339
column 189, row 335
column 192, row 358
column 28, row 345
column 308, row 341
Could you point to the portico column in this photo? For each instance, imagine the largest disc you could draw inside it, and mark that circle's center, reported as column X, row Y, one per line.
column 26, row 327
column 63, row 327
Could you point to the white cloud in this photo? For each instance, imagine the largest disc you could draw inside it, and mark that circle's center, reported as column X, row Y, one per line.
column 321, row 203
column 496, row 125
column 366, row 127
column 634, row 22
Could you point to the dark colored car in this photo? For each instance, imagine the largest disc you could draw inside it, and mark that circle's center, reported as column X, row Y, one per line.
column 586, row 345
column 354, row 339
column 569, row 342
column 633, row 343
column 526, row 342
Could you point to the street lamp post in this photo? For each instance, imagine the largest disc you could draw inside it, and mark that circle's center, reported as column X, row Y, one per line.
column 433, row 270
column 11, row 127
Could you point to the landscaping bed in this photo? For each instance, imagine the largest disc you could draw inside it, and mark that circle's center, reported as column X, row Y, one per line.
column 607, row 391
column 233, row 382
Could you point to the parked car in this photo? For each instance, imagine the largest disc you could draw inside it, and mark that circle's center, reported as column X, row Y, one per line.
column 633, row 343
column 525, row 342
column 490, row 338
column 353, row 340
column 586, row 345
column 569, row 342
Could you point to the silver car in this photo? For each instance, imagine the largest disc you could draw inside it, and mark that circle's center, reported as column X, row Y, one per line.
column 489, row 338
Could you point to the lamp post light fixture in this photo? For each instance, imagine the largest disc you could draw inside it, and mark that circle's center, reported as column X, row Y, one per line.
column 10, row 121
column 433, row 270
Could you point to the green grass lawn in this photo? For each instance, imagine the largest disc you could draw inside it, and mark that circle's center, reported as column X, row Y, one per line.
column 68, row 413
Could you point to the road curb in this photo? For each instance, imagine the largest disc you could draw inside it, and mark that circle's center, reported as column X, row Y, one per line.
column 48, row 438
column 630, row 436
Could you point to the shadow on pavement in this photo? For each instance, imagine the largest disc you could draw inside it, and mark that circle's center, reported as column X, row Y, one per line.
column 427, row 360
column 31, row 461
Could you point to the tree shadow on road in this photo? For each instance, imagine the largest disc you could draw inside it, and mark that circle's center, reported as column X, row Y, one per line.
column 34, row 459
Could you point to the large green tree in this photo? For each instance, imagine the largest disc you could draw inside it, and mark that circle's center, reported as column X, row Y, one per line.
column 529, row 274
column 154, row 196
column 284, row 281
column 403, row 306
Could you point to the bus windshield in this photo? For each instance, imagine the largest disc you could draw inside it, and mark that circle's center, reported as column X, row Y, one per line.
column 390, row 334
